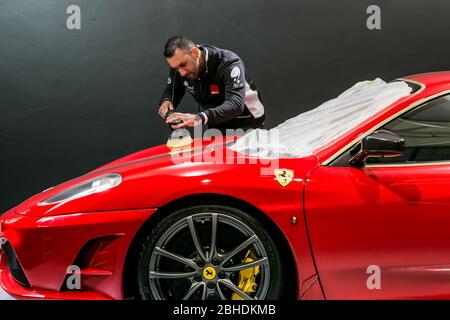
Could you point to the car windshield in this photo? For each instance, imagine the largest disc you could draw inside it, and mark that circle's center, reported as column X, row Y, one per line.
column 300, row 136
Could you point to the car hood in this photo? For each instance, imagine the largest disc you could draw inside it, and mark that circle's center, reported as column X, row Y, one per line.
column 153, row 154
column 153, row 176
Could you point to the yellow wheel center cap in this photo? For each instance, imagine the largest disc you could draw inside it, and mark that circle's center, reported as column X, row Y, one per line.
column 209, row 273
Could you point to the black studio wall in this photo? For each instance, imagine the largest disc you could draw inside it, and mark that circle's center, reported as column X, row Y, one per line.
column 71, row 100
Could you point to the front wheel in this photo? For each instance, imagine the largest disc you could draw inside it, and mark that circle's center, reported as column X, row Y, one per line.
column 209, row 253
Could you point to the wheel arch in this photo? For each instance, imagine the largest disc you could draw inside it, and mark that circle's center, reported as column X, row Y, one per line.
column 289, row 265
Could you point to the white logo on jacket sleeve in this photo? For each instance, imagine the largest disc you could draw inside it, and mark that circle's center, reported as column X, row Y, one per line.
column 235, row 74
column 169, row 80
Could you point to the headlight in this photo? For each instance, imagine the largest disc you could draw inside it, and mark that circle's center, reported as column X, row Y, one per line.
column 99, row 184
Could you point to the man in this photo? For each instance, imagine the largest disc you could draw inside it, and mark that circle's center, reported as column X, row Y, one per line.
column 217, row 80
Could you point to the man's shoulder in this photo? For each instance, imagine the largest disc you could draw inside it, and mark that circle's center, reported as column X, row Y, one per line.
column 220, row 54
column 222, row 59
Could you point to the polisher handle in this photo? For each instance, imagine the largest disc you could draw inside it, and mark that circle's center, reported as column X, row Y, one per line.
column 173, row 123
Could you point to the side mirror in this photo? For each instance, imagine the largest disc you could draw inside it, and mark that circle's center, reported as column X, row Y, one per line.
column 381, row 143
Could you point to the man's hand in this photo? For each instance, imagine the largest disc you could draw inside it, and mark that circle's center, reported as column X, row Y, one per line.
column 188, row 120
column 165, row 106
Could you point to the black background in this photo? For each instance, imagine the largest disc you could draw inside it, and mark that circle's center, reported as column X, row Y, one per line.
column 72, row 100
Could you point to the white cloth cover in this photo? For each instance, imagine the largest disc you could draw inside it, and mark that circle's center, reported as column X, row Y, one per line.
column 300, row 136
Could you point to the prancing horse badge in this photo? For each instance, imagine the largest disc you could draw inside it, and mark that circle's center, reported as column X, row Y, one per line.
column 284, row 176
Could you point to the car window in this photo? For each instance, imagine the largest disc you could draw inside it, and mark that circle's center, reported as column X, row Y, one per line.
column 426, row 131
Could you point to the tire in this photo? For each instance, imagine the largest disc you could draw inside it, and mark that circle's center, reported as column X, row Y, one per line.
column 172, row 265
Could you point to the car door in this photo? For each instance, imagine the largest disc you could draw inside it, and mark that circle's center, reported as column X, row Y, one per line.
column 383, row 231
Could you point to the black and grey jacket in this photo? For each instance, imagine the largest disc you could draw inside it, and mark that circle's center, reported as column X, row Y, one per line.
column 228, row 97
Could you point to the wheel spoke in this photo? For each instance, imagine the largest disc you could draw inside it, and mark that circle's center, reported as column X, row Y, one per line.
column 171, row 275
column 175, row 257
column 195, row 238
column 212, row 249
column 194, row 287
column 219, row 291
column 244, row 266
column 205, row 291
column 239, row 248
column 233, row 287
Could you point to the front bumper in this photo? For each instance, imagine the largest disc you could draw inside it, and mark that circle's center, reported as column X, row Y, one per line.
column 40, row 250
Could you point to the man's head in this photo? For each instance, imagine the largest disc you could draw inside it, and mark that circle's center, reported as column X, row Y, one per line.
column 183, row 55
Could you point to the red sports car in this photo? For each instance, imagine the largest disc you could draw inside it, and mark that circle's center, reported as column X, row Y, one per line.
column 350, row 200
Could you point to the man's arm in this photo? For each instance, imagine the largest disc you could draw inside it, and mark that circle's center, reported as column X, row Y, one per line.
column 233, row 77
column 174, row 90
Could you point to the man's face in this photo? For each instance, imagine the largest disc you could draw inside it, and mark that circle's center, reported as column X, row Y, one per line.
column 187, row 63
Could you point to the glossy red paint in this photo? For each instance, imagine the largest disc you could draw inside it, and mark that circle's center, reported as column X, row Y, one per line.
column 148, row 183
column 393, row 217
column 46, row 246
column 332, row 242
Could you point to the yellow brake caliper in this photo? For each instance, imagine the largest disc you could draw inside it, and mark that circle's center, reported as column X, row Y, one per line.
column 247, row 277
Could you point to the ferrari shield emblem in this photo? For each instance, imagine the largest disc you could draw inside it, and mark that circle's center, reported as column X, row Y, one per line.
column 284, row 176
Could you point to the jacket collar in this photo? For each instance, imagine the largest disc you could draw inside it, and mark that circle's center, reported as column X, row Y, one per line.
column 206, row 53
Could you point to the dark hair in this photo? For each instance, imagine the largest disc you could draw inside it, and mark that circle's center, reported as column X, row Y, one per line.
column 177, row 42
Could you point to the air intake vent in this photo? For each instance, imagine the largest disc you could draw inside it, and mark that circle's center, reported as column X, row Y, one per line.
column 14, row 266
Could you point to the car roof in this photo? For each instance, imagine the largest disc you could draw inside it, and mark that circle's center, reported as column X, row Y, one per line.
column 431, row 78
